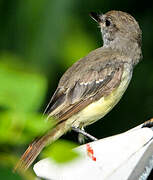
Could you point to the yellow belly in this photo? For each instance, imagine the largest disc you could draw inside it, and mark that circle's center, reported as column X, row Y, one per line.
column 100, row 108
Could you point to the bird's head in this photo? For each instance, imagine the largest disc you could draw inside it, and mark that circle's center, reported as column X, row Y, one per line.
column 117, row 26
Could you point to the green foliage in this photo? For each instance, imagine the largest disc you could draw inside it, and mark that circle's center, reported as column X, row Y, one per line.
column 20, row 90
column 21, row 94
column 76, row 45
column 7, row 174
column 61, row 151
column 22, row 127
column 6, row 164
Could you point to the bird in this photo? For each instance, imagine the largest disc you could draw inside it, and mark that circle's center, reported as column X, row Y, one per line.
column 93, row 85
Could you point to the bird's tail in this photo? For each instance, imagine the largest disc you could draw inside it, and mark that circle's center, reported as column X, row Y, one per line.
column 36, row 147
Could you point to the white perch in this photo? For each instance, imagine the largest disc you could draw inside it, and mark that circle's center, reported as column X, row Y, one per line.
column 127, row 156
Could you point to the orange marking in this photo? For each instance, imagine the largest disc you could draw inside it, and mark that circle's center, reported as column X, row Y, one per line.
column 90, row 152
column 27, row 152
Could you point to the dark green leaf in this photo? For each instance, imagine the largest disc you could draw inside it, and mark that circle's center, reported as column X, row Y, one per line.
column 61, row 151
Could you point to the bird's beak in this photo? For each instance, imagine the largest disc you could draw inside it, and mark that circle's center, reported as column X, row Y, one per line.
column 95, row 16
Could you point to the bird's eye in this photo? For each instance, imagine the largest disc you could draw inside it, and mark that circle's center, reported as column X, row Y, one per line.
column 107, row 22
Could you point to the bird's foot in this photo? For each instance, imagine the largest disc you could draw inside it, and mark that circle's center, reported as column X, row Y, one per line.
column 82, row 134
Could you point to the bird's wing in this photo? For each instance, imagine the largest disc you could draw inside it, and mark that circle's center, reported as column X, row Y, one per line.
column 89, row 87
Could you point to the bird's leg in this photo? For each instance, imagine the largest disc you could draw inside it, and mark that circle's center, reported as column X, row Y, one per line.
column 82, row 132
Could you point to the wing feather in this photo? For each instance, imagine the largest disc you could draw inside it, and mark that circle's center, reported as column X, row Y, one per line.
column 95, row 84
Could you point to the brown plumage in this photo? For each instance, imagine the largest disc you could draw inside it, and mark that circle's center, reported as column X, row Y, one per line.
column 92, row 86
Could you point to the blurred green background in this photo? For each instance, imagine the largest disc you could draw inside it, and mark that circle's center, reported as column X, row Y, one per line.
column 39, row 40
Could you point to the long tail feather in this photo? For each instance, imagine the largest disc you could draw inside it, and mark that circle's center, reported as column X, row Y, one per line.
column 36, row 147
